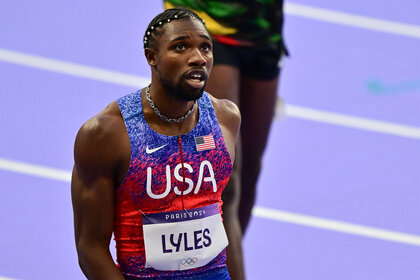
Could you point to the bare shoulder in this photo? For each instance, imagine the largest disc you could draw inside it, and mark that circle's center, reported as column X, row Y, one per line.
column 101, row 144
column 226, row 111
column 100, row 129
column 229, row 118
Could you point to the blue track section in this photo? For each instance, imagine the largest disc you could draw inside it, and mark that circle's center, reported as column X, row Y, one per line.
column 313, row 168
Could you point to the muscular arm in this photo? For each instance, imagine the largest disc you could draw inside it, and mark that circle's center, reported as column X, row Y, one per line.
column 99, row 150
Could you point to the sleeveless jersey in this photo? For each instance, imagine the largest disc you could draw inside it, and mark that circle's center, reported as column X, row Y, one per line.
column 154, row 181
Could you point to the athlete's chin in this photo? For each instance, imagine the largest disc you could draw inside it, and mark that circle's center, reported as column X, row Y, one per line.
column 193, row 92
column 192, row 96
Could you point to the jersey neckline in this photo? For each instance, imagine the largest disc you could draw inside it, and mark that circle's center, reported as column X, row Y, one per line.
column 192, row 131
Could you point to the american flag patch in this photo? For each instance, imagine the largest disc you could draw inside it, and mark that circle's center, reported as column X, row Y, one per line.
column 204, row 143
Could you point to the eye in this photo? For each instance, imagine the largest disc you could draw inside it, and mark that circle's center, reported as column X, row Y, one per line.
column 206, row 47
column 180, row 47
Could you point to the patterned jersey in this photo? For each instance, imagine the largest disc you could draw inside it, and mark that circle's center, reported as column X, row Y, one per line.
column 239, row 22
column 154, row 181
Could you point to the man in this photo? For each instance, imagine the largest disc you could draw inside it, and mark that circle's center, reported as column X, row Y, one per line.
column 152, row 166
column 248, row 50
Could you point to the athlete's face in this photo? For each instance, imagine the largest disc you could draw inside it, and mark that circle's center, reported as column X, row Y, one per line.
column 184, row 58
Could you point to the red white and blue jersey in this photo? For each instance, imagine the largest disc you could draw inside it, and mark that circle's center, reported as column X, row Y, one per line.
column 154, row 181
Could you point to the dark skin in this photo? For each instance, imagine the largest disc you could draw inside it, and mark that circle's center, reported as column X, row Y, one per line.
column 102, row 148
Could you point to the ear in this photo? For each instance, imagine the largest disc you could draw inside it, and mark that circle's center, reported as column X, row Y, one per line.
column 150, row 56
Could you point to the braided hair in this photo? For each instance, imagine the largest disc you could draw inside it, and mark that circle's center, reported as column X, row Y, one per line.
column 154, row 30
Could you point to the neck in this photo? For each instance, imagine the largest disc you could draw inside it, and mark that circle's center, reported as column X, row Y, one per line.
column 169, row 118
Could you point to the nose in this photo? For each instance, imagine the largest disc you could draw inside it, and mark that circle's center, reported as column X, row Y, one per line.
column 197, row 58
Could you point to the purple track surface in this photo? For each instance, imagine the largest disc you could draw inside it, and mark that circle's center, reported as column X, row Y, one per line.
column 312, row 168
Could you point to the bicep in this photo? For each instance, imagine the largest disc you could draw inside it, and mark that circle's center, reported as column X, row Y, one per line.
column 92, row 186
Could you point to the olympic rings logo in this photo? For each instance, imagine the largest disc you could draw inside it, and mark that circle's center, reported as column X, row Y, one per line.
column 189, row 261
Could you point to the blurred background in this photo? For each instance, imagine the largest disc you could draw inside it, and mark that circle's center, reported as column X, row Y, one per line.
column 339, row 193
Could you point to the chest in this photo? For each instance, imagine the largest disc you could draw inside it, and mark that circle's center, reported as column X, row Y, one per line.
column 166, row 172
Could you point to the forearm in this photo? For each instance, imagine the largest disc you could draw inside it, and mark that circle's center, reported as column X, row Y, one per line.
column 97, row 263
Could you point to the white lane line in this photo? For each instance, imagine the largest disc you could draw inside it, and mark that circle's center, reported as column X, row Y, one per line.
column 137, row 81
column 343, row 227
column 35, row 170
column 72, row 69
column 353, row 122
column 261, row 212
column 352, row 20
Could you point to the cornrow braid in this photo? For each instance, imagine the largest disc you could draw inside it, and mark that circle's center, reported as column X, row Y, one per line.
column 154, row 29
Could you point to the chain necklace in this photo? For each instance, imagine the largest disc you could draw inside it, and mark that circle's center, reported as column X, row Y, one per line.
column 163, row 117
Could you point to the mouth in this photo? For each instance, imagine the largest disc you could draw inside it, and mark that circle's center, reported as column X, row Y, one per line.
column 196, row 78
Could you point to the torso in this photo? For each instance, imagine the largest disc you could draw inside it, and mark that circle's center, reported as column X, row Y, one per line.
column 153, row 182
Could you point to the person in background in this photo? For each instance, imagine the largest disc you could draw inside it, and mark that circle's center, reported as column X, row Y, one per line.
column 248, row 51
